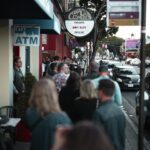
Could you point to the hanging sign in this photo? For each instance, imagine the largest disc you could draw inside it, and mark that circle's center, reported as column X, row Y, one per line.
column 26, row 35
column 79, row 22
column 123, row 12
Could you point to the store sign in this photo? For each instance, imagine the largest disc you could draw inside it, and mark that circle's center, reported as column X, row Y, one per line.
column 123, row 12
column 26, row 35
column 132, row 44
column 79, row 22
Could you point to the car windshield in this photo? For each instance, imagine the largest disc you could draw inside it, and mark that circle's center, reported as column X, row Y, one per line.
column 112, row 65
column 128, row 71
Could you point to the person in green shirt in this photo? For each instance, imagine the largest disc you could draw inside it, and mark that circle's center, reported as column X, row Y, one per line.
column 109, row 115
column 104, row 74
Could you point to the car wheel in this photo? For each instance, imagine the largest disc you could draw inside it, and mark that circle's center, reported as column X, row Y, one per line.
column 137, row 110
column 147, row 122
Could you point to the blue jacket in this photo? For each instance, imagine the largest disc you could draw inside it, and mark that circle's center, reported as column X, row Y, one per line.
column 117, row 97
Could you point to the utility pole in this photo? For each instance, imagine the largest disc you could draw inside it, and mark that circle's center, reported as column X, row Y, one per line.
column 142, row 72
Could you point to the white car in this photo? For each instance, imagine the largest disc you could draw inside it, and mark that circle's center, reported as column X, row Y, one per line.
column 135, row 62
column 128, row 60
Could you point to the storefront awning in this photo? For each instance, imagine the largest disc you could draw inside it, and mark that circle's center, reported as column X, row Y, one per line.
column 47, row 26
column 26, row 9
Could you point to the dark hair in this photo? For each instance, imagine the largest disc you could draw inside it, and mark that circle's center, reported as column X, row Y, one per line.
column 65, row 57
column 87, row 136
column 16, row 59
column 74, row 80
column 60, row 66
column 94, row 66
column 103, row 68
column 107, row 86
column 53, row 65
column 55, row 58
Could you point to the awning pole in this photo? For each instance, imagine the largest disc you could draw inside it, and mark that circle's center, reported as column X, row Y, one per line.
column 142, row 73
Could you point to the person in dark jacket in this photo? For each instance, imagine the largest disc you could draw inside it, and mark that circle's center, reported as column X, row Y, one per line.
column 18, row 80
column 69, row 93
column 19, row 86
column 110, row 115
column 93, row 71
column 44, row 115
column 85, row 105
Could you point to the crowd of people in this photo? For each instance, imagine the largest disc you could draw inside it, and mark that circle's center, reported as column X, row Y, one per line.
column 72, row 111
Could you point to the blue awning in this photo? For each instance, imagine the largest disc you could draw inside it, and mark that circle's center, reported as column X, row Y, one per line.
column 46, row 26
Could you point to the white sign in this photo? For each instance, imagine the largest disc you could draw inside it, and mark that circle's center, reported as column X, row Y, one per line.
column 26, row 35
column 79, row 22
column 79, row 28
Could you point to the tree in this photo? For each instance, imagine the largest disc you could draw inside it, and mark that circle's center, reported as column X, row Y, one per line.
column 98, row 10
column 113, row 43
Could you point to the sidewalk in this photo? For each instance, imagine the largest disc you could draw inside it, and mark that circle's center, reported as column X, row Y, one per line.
column 132, row 136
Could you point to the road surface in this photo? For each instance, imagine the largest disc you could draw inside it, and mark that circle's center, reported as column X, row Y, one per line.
column 132, row 120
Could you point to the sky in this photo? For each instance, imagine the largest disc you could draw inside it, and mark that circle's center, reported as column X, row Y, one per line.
column 126, row 31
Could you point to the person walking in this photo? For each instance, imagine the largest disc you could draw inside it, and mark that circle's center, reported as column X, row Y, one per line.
column 86, row 104
column 104, row 74
column 44, row 114
column 93, row 71
column 110, row 115
column 69, row 93
column 61, row 77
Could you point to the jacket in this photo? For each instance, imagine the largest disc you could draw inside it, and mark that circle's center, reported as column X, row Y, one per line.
column 84, row 109
column 18, row 80
column 43, row 131
column 111, row 117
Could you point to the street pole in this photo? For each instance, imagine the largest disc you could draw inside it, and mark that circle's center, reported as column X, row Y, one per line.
column 142, row 72
column 94, row 39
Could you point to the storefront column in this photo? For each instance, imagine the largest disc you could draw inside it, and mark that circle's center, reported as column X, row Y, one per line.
column 34, row 61
column 6, row 63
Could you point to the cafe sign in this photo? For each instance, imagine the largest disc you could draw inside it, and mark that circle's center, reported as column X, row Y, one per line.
column 26, row 35
column 79, row 22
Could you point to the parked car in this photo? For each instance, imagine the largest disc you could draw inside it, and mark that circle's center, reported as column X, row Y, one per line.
column 147, row 63
column 128, row 60
column 135, row 62
column 111, row 65
column 146, row 101
column 127, row 77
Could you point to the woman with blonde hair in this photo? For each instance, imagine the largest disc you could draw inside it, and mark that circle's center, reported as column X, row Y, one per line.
column 44, row 114
column 85, row 105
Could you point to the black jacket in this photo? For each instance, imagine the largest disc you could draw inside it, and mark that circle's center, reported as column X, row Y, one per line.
column 67, row 96
column 84, row 109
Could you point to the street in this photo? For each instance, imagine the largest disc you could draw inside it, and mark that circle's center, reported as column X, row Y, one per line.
column 132, row 120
